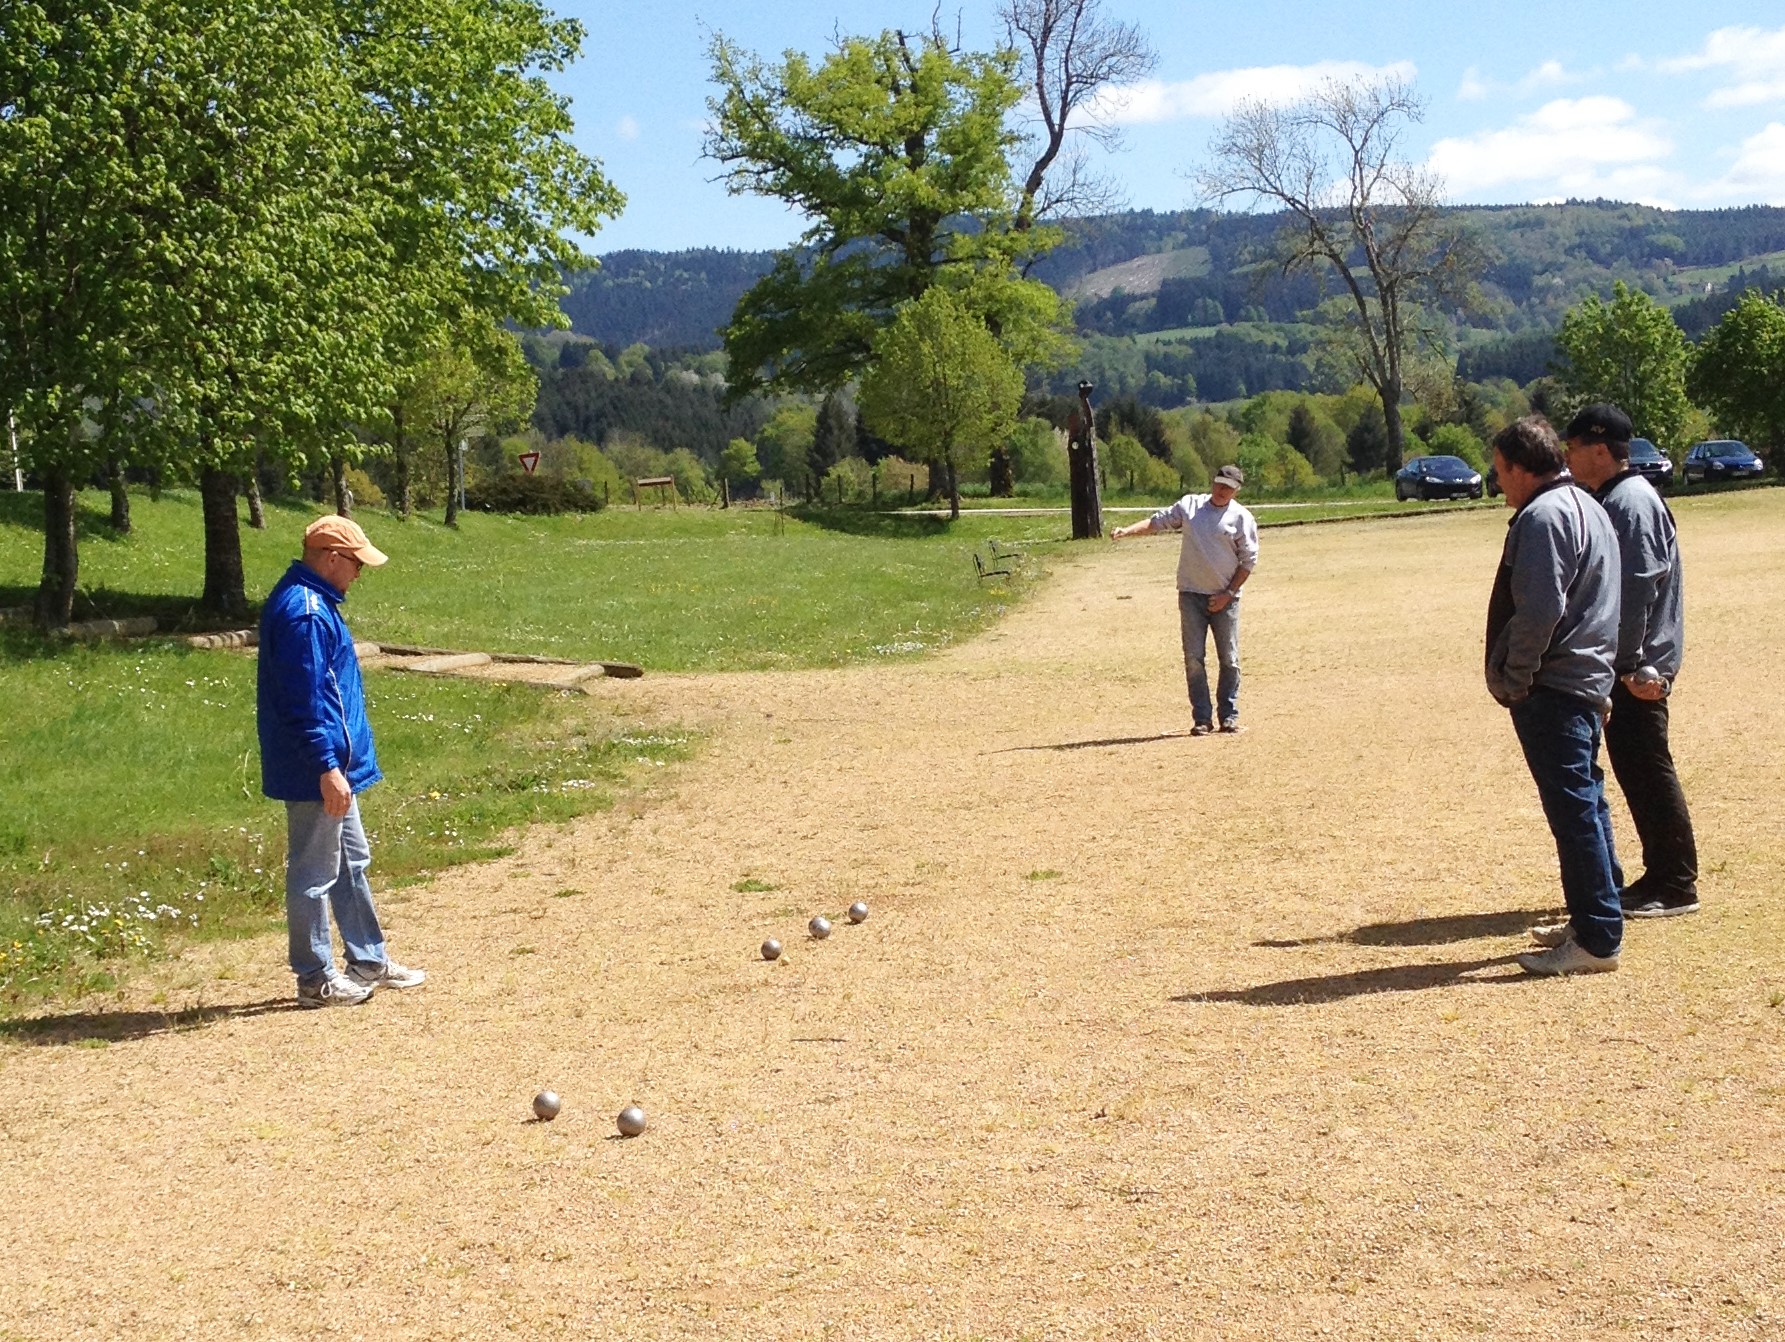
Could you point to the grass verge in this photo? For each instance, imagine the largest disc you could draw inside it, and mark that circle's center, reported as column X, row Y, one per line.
column 135, row 820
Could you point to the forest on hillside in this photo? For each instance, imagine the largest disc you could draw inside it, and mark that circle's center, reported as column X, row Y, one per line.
column 1235, row 328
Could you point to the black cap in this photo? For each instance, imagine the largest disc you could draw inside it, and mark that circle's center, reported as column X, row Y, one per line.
column 1601, row 423
column 1230, row 475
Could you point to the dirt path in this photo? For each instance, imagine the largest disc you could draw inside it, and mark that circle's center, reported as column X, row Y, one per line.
column 1145, row 1037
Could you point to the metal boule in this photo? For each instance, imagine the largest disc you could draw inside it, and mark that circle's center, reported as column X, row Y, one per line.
column 771, row 949
column 546, row 1105
column 819, row 927
column 631, row 1121
column 858, row 912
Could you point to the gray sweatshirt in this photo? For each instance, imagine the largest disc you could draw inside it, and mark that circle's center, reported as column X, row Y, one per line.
column 1218, row 542
column 1652, row 625
column 1553, row 616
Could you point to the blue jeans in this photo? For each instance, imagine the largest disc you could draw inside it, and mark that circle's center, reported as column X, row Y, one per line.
column 1560, row 736
column 325, row 868
column 1198, row 622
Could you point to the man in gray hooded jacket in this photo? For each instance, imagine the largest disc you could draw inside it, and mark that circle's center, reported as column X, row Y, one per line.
column 1552, row 637
column 1651, row 640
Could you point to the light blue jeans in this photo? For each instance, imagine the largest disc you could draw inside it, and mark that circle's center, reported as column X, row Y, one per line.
column 1198, row 622
column 325, row 868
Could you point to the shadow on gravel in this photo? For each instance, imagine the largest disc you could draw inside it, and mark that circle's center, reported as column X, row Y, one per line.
column 1427, row 931
column 1326, row 988
column 1108, row 741
column 80, row 1027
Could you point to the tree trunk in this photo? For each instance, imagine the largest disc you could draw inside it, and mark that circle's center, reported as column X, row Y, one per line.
column 1397, row 436
column 1003, row 483
column 954, row 494
column 114, row 478
column 452, row 482
column 938, row 485
column 61, row 552
column 257, row 515
column 338, row 477
column 399, row 444
column 225, row 587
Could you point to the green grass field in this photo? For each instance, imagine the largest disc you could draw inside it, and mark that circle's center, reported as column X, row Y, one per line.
column 134, row 815
column 689, row 590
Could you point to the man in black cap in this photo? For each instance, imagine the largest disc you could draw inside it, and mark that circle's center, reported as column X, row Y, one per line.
column 1651, row 640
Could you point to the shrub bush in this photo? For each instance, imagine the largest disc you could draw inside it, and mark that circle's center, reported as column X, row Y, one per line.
column 532, row 494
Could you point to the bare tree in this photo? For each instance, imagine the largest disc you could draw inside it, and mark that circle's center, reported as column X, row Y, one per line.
column 1071, row 52
column 1357, row 208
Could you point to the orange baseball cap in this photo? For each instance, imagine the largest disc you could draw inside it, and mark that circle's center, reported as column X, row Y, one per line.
column 340, row 533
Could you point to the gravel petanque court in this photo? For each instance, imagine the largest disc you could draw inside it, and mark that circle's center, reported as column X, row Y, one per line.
column 1146, row 1037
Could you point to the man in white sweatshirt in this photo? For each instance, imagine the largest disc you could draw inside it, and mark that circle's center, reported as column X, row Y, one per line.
column 1220, row 551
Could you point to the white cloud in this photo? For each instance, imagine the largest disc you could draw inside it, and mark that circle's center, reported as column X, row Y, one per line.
column 1549, row 75
column 1474, row 88
column 1758, row 173
column 1753, row 57
column 627, row 129
column 1581, row 147
column 1218, row 93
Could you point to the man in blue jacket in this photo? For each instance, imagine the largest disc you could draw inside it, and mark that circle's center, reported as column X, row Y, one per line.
column 316, row 756
column 1552, row 636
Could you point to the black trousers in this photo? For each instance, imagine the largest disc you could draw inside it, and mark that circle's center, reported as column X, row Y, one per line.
column 1636, row 742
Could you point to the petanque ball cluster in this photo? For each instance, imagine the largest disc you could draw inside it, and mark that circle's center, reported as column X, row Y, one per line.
column 631, row 1120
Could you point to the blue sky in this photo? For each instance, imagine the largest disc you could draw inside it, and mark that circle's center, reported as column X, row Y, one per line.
column 1678, row 105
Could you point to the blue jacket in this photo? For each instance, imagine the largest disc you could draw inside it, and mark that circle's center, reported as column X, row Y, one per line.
column 312, row 704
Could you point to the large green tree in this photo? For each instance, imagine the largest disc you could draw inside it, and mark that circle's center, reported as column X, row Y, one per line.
column 225, row 230
column 1631, row 352
column 1737, row 372
column 941, row 386
column 896, row 149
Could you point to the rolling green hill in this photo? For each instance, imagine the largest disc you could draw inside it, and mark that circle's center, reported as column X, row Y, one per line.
column 1197, row 290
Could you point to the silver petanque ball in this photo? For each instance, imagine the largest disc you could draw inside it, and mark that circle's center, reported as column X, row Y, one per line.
column 546, row 1105
column 631, row 1121
column 858, row 912
column 819, row 927
column 771, row 949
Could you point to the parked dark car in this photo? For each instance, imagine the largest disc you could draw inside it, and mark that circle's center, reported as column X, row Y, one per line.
column 1721, row 459
column 1437, row 478
column 1651, row 462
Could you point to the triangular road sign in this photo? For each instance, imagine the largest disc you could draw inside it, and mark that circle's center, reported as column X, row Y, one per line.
column 529, row 462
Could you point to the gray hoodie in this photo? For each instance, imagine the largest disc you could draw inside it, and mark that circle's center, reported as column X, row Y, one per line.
column 1553, row 616
column 1652, row 623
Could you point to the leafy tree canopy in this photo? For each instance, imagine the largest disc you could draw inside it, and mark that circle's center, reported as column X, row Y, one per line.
column 1738, row 371
column 896, row 148
column 1630, row 352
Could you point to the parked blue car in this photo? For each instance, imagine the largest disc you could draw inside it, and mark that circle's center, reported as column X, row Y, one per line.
column 1721, row 459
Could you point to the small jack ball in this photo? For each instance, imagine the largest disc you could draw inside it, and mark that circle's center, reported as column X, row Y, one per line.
column 858, row 912
column 546, row 1105
column 631, row 1121
column 820, row 928
column 771, row 949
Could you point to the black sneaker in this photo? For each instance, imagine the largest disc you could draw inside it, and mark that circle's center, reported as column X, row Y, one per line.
column 1232, row 727
column 1202, row 729
column 1671, row 905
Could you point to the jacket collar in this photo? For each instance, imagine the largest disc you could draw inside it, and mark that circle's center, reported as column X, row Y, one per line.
column 305, row 576
column 1622, row 477
column 1562, row 481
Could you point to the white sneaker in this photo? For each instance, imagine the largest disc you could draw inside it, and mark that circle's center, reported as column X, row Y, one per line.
column 1551, row 935
column 333, row 991
column 1568, row 958
column 390, row 974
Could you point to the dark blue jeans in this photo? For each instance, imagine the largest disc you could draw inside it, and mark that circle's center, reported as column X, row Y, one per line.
column 1560, row 736
column 1196, row 622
